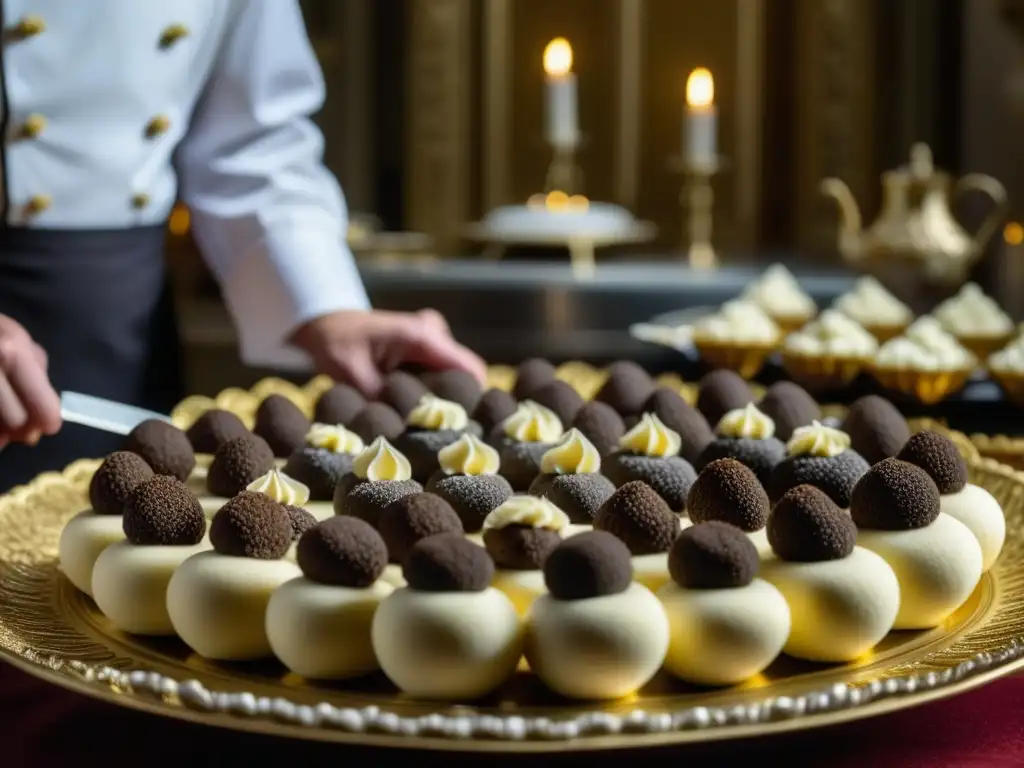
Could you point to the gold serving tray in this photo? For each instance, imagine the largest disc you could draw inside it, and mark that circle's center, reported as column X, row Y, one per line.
column 53, row 631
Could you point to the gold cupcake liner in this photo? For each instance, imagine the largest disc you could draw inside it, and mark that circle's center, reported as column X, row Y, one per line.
column 745, row 359
column 887, row 331
column 822, row 371
column 1012, row 384
column 983, row 346
column 791, row 323
column 929, row 387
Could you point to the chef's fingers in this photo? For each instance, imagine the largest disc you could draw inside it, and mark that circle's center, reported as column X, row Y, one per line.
column 40, row 356
column 428, row 345
column 13, row 414
column 31, row 386
column 435, row 319
column 355, row 364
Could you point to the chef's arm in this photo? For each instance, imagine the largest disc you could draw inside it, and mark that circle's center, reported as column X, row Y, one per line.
column 269, row 218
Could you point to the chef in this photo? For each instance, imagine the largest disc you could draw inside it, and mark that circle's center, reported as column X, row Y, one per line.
column 113, row 109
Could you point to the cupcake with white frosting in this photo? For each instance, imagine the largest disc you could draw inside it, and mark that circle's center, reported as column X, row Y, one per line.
column 739, row 337
column 571, row 478
column 779, row 294
column 433, row 424
column 976, row 320
column 828, row 352
column 875, row 309
column 1007, row 367
column 926, row 362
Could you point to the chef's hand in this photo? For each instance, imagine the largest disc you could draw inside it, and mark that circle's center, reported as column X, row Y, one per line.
column 361, row 347
column 29, row 406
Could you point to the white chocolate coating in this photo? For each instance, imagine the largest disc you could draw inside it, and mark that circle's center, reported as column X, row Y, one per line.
column 321, row 510
column 600, row 648
column 447, row 645
column 323, row 632
column 938, row 567
column 839, row 609
column 82, row 540
column 724, row 636
column 980, row 512
column 393, row 575
column 651, row 570
column 129, row 584
column 521, row 587
column 759, row 539
column 218, row 603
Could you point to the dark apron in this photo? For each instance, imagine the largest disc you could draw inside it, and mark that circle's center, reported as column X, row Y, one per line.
column 99, row 303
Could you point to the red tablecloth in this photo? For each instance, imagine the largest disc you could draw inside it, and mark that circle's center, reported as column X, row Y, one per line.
column 41, row 725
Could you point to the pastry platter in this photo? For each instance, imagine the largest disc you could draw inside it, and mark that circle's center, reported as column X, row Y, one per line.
column 56, row 633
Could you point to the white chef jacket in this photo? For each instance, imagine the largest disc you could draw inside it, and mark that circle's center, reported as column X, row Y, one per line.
column 113, row 109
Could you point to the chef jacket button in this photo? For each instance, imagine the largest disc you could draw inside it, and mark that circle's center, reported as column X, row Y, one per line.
column 37, row 204
column 33, row 126
column 140, row 200
column 173, row 34
column 157, row 126
column 28, row 26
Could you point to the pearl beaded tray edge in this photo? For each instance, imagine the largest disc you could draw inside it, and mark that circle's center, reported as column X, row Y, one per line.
column 193, row 695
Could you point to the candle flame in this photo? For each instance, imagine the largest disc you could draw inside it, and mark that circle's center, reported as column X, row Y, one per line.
column 558, row 57
column 700, row 88
column 557, row 201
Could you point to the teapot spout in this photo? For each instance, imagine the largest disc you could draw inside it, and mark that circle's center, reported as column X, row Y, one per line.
column 849, row 213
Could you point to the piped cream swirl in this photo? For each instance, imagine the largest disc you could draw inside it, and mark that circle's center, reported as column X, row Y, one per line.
column 574, row 455
column 747, row 422
column 650, row 437
column 469, row 455
column 281, row 488
column 334, row 438
column 534, row 511
column 434, row 413
column 817, row 440
column 381, row 461
column 532, row 423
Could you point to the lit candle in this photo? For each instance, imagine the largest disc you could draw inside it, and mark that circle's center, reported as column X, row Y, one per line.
column 563, row 130
column 701, row 121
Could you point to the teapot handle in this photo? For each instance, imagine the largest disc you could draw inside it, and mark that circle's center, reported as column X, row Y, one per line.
column 979, row 182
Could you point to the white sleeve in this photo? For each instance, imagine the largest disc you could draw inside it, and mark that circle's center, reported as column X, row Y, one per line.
column 269, row 218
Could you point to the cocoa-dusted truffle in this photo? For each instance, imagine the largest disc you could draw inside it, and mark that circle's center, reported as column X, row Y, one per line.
column 876, row 428
column 114, row 481
column 640, row 517
column 237, row 463
column 679, row 416
column 939, row 457
column 164, row 447
column 366, row 500
column 301, row 519
column 761, row 456
column 338, row 405
column 712, row 555
column 835, row 475
column 729, row 492
column 213, row 428
column 790, row 406
column 590, row 564
column 670, row 477
column 601, row 425
column 404, row 522
column 318, row 469
column 494, row 407
column 402, row 391
column 282, row 424
column 473, row 497
column 458, row 386
column 377, row 420
column 530, row 375
column 520, row 462
column 520, row 547
column 722, row 391
column 895, row 495
column 342, row 552
column 448, row 562
column 561, row 398
column 806, row 526
column 626, row 389
column 251, row 525
column 162, row 511
column 578, row 495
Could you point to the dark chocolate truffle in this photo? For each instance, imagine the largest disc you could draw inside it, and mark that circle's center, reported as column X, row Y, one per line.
column 301, row 519
column 713, row 555
column 530, row 375
column 338, row 405
column 579, row 496
column 520, row 462
column 318, row 469
column 213, row 428
column 895, row 495
column 626, row 389
column 939, row 457
column 404, row 522
column 670, row 477
column 762, row 456
column 559, row 397
column 458, row 386
column 722, row 391
column 282, row 424
column 473, row 497
column 448, row 562
column 377, row 420
column 876, row 428
column 835, row 475
column 163, row 511
column 251, row 525
column 342, row 552
column 493, row 408
column 790, row 406
column 402, row 391
column 640, row 517
column 681, row 417
column 164, row 447
column 520, row 547
column 729, row 492
column 601, row 425
column 114, row 481
column 237, row 463
column 366, row 500
column 590, row 564
column 806, row 526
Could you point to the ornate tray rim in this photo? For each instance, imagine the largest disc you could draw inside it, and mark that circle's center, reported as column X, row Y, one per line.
column 190, row 700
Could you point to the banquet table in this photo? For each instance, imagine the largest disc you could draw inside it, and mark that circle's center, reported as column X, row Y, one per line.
column 42, row 726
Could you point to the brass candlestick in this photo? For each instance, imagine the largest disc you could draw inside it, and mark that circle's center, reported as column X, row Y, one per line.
column 698, row 198
column 564, row 174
